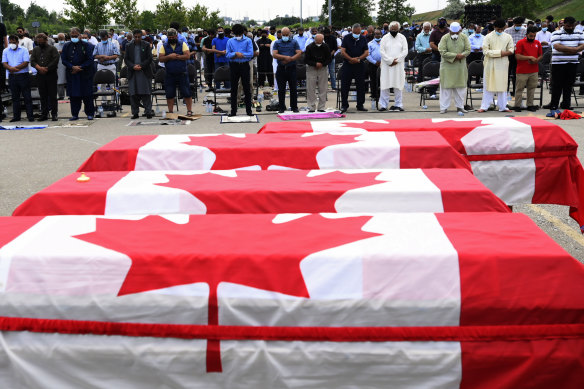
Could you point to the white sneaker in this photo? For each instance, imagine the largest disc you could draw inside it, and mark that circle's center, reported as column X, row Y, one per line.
column 443, row 110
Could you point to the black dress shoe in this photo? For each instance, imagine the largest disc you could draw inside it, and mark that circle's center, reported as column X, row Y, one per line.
column 232, row 114
column 382, row 109
column 517, row 109
column 321, row 110
column 532, row 108
column 249, row 113
column 295, row 110
column 149, row 115
column 281, row 111
column 549, row 106
column 311, row 111
column 565, row 107
column 344, row 109
column 42, row 118
column 135, row 117
column 14, row 120
column 54, row 118
column 362, row 109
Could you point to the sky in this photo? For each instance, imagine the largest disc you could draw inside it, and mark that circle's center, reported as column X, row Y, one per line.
column 260, row 10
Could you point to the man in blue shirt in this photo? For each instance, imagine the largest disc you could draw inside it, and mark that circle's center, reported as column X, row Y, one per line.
column 15, row 60
column 354, row 50
column 374, row 61
column 423, row 48
column 218, row 46
column 476, row 45
column 239, row 52
column 301, row 38
column 286, row 51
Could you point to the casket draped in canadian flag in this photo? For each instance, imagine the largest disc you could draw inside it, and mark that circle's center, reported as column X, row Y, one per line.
column 522, row 160
column 264, row 191
column 381, row 150
column 469, row 300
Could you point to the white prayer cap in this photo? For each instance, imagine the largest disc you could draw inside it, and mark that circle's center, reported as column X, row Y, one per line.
column 455, row 27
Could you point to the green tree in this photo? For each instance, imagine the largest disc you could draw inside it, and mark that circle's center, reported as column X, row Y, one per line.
column 126, row 12
column 348, row 12
column 87, row 13
column 168, row 11
column 11, row 12
column 527, row 8
column 147, row 20
column 213, row 20
column 454, row 9
column 394, row 10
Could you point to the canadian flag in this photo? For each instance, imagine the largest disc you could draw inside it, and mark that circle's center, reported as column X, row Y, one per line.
column 264, row 191
column 469, row 300
column 381, row 150
column 522, row 160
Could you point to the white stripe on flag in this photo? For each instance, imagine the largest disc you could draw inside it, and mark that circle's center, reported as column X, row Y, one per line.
column 513, row 181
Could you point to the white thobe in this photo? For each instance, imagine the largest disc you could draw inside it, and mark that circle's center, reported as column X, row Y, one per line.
column 392, row 48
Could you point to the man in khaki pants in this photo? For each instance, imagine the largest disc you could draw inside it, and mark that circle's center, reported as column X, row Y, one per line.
column 528, row 53
column 317, row 57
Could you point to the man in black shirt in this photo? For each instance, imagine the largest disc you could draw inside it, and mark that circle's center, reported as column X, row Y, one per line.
column 45, row 59
column 317, row 57
column 207, row 46
column 331, row 42
column 354, row 50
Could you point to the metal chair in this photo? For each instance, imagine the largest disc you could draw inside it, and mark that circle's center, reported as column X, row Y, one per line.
column 107, row 78
column 430, row 70
column 222, row 74
column 475, row 71
column 578, row 84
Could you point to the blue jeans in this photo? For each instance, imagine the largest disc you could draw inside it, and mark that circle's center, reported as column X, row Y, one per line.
column 333, row 77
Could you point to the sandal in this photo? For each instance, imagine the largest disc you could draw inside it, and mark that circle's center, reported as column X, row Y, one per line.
column 189, row 113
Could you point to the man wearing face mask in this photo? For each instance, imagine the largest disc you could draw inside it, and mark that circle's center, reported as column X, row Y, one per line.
column 436, row 36
column 61, row 69
column 497, row 47
column 239, row 53
column 454, row 48
column 423, row 48
column 317, row 58
column 566, row 44
column 77, row 56
column 544, row 37
column 265, row 69
column 45, row 59
column 301, row 38
column 528, row 52
column 138, row 60
column 175, row 56
column 393, row 49
column 354, row 50
column 374, row 62
column 286, row 51
column 106, row 53
column 218, row 46
column 476, row 45
column 15, row 60
column 517, row 32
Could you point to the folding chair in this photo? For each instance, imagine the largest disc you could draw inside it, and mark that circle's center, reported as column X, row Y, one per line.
column 108, row 78
column 475, row 72
column 222, row 74
column 301, row 80
column 431, row 70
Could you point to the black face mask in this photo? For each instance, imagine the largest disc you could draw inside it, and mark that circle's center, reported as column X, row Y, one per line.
column 530, row 40
column 442, row 24
column 172, row 41
column 221, row 34
column 569, row 30
column 393, row 33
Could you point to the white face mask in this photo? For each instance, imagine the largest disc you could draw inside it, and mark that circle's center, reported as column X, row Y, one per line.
column 455, row 37
column 12, row 46
column 318, row 44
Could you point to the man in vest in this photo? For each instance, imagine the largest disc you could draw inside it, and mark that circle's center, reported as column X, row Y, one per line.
column 175, row 57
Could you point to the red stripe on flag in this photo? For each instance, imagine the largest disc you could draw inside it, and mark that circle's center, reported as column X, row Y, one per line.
column 119, row 154
column 416, row 147
column 70, row 197
column 308, row 334
column 511, row 274
column 12, row 227
column 463, row 192
column 512, row 156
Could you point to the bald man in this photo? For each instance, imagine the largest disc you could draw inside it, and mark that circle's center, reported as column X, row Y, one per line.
column 317, row 58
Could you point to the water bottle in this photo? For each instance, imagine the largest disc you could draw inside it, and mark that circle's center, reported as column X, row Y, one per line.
column 372, row 104
column 460, row 113
column 100, row 110
column 261, row 98
column 164, row 114
column 425, row 107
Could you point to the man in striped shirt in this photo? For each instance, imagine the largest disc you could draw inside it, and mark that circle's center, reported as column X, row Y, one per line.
column 566, row 44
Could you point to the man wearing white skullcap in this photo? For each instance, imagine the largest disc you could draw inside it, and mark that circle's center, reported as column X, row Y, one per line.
column 454, row 47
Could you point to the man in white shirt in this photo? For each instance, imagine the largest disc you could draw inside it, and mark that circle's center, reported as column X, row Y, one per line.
column 544, row 36
column 24, row 41
column 90, row 37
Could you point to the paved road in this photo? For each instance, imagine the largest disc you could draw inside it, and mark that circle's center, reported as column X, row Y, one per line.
column 33, row 159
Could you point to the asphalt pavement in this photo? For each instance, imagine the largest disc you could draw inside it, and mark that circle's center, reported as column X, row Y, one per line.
column 34, row 159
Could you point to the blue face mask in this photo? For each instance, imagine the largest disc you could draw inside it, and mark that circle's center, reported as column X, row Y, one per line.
column 470, row 32
column 74, row 40
column 377, row 39
column 517, row 28
column 84, row 40
column 478, row 34
column 285, row 38
column 498, row 33
column 185, row 34
column 356, row 36
column 61, row 42
column 544, row 29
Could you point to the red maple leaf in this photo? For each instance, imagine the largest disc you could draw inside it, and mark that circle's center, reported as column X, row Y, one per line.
column 274, row 191
column 290, row 150
column 452, row 130
column 249, row 250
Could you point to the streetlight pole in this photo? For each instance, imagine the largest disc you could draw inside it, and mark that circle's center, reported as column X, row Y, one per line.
column 300, row 13
column 330, row 17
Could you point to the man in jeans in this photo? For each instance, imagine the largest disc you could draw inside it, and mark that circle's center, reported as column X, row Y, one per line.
column 528, row 52
column 45, row 59
column 15, row 59
column 566, row 44
column 317, row 57
column 287, row 51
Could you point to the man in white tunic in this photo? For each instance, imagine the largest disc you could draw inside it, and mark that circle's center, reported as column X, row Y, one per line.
column 497, row 47
column 454, row 47
column 394, row 49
